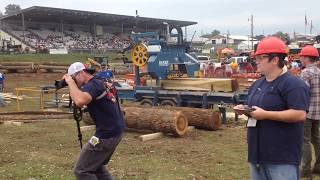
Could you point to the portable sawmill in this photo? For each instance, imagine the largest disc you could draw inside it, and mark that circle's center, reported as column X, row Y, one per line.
column 172, row 74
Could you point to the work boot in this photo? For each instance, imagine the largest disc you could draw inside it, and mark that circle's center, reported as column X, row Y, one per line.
column 316, row 170
column 306, row 174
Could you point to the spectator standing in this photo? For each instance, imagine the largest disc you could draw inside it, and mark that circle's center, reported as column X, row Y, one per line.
column 309, row 56
column 234, row 66
column 106, row 72
column 2, row 78
column 275, row 125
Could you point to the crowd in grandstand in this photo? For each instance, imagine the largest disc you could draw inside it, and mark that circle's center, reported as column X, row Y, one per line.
column 45, row 39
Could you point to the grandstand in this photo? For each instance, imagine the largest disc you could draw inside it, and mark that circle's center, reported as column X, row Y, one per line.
column 42, row 29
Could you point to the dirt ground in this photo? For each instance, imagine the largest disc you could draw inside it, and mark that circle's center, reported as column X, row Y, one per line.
column 48, row 150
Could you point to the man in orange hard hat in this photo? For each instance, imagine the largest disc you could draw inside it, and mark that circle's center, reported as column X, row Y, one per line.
column 309, row 57
column 277, row 106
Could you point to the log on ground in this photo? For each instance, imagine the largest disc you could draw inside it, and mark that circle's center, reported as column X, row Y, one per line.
column 158, row 120
column 16, row 67
column 33, row 115
column 201, row 118
column 51, row 67
column 17, row 63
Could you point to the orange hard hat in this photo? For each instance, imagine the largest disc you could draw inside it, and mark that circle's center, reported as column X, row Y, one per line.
column 271, row 45
column 309, row 51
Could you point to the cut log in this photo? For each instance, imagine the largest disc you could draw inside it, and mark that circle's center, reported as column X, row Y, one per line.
column 55, row 64
column 17, row 64
column 16, row 67
column 33, row 115
column 201, row 118
column 53, row 67
column 159, row 120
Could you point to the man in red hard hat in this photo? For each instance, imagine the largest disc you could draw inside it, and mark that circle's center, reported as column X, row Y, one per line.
column 276, row 106
column 309, row 57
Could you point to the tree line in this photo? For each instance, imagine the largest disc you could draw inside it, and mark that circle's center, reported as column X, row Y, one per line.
column 10, row 9
column 284, row 36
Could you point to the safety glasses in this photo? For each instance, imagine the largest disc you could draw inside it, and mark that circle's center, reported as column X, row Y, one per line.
column 261, row 57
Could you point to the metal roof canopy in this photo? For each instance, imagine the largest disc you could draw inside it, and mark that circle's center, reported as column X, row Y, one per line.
column 58, row 15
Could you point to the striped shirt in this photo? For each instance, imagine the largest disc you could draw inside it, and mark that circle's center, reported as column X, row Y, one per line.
column 311, row 75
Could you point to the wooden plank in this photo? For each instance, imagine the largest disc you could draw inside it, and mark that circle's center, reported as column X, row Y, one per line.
column 88, row 128
column 152, row 136
column 10, row 96
column 12, row 123
column 199, row 84
column 16, row 123
column 190, row 128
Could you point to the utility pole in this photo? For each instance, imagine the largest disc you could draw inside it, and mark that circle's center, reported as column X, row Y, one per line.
column 248, row 42
column 227, row 38
column 311, row 27
column 251, row 32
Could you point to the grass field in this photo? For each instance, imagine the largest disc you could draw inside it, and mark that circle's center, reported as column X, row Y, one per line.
column 49, row 150
column 62, row 58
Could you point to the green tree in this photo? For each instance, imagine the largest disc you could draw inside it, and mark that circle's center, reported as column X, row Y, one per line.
column 11, row 9
column 259, row 37
column 215, row 32
column 212, row 34
column 284, row 36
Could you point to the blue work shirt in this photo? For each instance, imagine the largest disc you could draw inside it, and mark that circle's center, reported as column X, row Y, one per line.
column 106, row 113
column 1, row 78
column 105, row 74
column 275, row 142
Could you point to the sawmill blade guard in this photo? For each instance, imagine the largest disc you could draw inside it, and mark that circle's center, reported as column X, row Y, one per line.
column 139, row 55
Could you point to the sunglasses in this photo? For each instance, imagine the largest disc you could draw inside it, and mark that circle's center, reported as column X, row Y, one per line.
column 262, row 57
column 269, row 56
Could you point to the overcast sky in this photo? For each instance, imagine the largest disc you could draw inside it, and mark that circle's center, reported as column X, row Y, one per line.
column 270, row 16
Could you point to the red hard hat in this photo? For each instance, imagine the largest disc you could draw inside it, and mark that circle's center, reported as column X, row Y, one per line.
column 309, row 51
column 271, row 45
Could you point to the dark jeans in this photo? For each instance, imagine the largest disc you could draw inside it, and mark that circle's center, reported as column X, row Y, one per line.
column 274, row 172
column 90, row 165
column 2, row 103
column 311, row 137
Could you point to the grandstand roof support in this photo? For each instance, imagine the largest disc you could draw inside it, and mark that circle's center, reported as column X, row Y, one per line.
column 185, row 33
column 23, row 26
column 94, row 30
column 61, row 22
column 122, row 28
